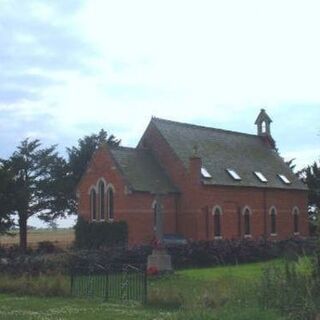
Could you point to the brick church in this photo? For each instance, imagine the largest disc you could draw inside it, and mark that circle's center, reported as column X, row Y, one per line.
column 214, row 184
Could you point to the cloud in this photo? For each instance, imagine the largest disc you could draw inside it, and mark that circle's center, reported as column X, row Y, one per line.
column 70, row 68
column 37, row 41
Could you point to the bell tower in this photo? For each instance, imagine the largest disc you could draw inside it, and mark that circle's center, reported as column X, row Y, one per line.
column 263, row 123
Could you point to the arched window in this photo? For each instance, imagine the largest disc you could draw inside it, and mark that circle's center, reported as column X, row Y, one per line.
column 217, row 212
column 273, row 221
column 246, row 221
column 295, row 213
column 110, row 203
column 263, row 127
column 102, row 205
column 93, row 204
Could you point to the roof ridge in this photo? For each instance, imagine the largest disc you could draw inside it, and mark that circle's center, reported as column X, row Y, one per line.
column 205, row 127
column 122, row 147
column 135, row 149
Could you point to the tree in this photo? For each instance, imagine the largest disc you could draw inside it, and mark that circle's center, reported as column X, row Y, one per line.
column 38, row 180
column 311, row 176
column 291, row 164
column 80, row 155
column 6, row 205
column 312, row 179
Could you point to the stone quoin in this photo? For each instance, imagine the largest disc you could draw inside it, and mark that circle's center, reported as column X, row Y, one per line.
column 215, row 184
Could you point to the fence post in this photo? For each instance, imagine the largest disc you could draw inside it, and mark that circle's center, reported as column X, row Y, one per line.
column 71, row 283
column 107, row 286
column 145, row 297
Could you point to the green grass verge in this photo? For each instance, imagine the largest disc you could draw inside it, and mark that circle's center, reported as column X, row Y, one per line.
column 223, row 293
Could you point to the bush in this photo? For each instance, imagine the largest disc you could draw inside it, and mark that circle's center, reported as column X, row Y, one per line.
column 294, row 290
column 47, row 247
column 211, row 253
column 95, row 235
column 35, row 264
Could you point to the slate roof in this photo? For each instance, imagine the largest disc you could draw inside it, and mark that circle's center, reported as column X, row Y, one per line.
column 222, row 149
column 141, row 170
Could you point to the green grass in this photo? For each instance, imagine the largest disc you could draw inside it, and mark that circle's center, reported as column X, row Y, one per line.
column 245, row 271
column 221, row 293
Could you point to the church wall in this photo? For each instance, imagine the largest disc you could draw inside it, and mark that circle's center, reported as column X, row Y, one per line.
column 136, row 208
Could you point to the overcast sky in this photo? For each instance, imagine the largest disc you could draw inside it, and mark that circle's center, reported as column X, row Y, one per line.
column 69, row 68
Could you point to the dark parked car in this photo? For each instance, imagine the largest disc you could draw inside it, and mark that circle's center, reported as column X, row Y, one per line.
column 174, row 240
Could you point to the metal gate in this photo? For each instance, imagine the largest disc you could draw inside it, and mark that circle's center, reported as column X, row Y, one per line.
column 124, row 283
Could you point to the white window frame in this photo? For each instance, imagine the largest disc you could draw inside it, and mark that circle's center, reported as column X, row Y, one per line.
column 284, row 179
column 261, row 177
column 205, row 173
column 233, row 174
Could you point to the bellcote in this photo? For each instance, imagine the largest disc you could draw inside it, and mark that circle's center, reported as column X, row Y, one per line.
column 263, row 123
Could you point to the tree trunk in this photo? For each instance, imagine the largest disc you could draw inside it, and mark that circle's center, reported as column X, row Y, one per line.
column 23, row 232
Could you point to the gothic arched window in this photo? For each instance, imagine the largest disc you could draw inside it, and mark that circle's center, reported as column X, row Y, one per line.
column 217, row 222
column 247, row 222
column 93, row 204
column 295, row 214
column 102, row 205
column 110, row 203
column 273, row 221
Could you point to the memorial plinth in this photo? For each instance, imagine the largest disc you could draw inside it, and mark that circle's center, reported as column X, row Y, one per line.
column 160, row 260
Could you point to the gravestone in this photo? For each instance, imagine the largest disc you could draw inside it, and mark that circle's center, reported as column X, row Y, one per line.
column 159, row 260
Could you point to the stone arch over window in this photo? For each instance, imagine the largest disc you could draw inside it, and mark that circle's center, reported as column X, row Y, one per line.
column 102, row 199
column 246, row 213
column 295, row 215
column 217, row 214
column 110, row 201
column 93, row 204
column 273, row 220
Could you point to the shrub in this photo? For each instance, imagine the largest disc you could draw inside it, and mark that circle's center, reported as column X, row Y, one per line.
column 294, row 290
column 97, row 235
column 46, row 247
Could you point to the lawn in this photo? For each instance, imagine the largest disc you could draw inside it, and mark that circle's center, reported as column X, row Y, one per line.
column 213, row 293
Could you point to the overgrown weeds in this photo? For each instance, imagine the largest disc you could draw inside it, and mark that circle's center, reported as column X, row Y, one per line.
column 294, row 289
column 45, row 286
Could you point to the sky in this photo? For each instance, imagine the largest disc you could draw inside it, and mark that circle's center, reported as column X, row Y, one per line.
column 70, row 68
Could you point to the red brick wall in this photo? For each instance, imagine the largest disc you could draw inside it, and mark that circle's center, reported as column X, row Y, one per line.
column 233, row 200
column 135, row 208
column 190, row 213
column 197, row 201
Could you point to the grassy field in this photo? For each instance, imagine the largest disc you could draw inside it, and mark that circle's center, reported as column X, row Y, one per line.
column 196, row 294
column 62, row 238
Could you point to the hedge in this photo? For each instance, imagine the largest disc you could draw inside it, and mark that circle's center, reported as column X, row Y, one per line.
column 193, row 255
column 95, row 235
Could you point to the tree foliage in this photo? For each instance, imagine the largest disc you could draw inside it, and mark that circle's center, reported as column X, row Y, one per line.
column 80, row 155
column 37, row 181
column 311, row 176
column 6, row 203
column 291, row 164
column 312, row 179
